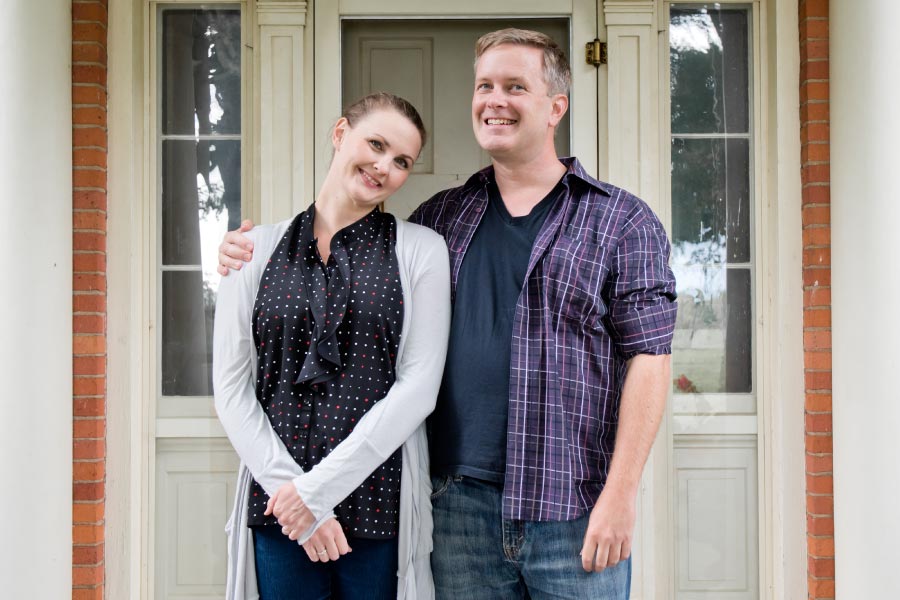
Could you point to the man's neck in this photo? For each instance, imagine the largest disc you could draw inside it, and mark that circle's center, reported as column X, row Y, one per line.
column 523, row 185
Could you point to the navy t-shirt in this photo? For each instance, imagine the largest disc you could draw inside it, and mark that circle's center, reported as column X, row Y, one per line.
column 467, row 430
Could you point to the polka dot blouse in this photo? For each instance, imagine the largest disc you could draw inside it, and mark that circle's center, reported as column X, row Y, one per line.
column 327, row 336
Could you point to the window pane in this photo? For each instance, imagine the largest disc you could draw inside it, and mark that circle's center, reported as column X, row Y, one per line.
column 188, row 306
column 201, row 72
column 712, row 345
column 711, row 199
column 201, row 199
column 709, row 57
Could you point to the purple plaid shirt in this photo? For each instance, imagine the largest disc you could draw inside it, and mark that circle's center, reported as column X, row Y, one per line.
column 598, row 291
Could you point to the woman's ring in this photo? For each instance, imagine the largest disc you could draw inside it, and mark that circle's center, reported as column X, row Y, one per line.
column 322, row 552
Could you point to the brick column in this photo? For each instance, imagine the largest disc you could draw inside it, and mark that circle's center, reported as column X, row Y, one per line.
column 815, row 171
column 89, row 141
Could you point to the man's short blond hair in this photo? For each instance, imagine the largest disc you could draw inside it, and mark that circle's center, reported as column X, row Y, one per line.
column 556, row 66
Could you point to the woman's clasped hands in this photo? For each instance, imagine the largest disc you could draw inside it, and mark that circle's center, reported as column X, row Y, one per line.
column 327, row 543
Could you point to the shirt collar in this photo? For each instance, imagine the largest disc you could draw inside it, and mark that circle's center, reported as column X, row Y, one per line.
column 574, row 171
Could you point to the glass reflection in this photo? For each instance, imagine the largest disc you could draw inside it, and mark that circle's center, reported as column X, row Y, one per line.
column 709, row 70
column 201, row 68
column 201, row 199
column 713, row 340
column 188, row 307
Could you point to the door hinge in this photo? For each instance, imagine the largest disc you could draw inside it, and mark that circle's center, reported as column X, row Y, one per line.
column 595, row 53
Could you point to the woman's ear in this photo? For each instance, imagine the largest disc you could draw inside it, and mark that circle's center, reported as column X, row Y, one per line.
column 338, row 131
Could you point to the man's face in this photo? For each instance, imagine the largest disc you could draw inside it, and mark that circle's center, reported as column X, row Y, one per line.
column 512, row 114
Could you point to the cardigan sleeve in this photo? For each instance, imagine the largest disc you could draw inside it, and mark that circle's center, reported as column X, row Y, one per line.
column 412, row 397
column 234, row 355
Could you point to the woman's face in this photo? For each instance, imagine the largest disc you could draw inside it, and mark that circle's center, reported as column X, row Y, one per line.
column 374, row 157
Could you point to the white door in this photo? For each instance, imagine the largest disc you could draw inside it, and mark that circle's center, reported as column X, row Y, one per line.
column 426, row 55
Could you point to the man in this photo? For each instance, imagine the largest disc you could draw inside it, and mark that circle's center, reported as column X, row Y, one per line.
column 558, row 365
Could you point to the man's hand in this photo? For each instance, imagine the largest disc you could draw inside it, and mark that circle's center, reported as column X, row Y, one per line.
column 292, row 513
column 327, row 543
column 610, row 530
column 235, row 249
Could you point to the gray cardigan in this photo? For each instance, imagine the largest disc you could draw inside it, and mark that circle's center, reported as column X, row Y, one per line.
column 397, row 419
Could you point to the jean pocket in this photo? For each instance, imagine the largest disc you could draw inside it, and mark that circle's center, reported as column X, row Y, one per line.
column 440, row 485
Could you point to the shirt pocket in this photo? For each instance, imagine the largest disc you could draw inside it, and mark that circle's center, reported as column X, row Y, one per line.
column 577, row 271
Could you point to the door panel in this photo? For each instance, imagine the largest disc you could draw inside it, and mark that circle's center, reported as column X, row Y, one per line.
column 430, row 63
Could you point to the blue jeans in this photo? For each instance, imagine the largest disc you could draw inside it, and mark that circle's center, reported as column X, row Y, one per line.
column 479, row 555
column 284, row 571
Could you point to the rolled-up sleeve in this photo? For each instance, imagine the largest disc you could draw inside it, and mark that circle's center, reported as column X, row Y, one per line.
column 641, row 288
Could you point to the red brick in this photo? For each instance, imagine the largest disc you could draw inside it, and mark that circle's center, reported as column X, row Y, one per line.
column 90, row 178
column 819, row 484
column 821, row 546
column 816, row 276
column 88, row 492
column 87, row 283
column 816, row 173
column 89, row 303
column 819, row 464
column 88, row 555
column 817, row 380
column 817, row 360
column 819, row 444
column 89, row 199
column 813, row 49
column 89, row 115
column 87, row 449
column 817, row 339
column 813, row 8
column 88, row 386
column 88, row 471
column 816, row 317
column 821, row 567
column 88, row 32
column 88, row 74
column 820, row 505
column 88, row 593
column 87, row 575
column 88, row 428
column 816, row 236
column 88, row 52
column 814, row 132
column 817, row 296
column 821, row 588
column 88, row 324
column 809, row 90
column 813, row 29
column 816, row 215
column 89, row 407
column 89, row 11
column 88, row 262
column 89, row 157
column 94, row 219
column 820, row 526
column 815, row 153
column 89, row 241
column 88, row 94
column 87, row 534
column 89, row 365
column 819, row 257
column 89, row 136
column 815, row 111
column 813, row 69
column 818, row 402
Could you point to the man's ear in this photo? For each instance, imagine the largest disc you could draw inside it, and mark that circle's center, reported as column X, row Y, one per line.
column 559, row 104
column 338, row 131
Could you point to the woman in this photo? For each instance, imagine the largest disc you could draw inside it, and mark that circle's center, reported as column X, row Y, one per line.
column 328, row 353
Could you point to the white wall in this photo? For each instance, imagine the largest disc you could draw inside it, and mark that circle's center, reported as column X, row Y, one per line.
column 865, row 129
column 36, row 299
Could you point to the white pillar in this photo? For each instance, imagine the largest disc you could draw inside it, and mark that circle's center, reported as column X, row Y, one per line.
column 36, row 299
column 865, row 160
